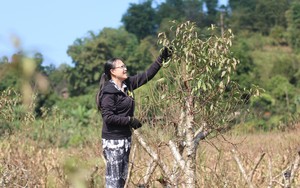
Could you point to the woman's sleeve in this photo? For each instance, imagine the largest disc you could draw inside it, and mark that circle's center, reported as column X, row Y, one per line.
column 108, row 109
column 142, row 78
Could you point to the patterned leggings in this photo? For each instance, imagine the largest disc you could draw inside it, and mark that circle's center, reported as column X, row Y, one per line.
column 116, row 154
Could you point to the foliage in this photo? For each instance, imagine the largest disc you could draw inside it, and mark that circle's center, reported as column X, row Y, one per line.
column 11, row 72
column 263, row 104
column 139, row 19
column 58, row 77
column 293, row 19
column 61, row 130
column 257, row 16
column 279, row 34
column 280, row 87
column 211, row 6
column 269, row 14
column 171, row 10
column 245, row 71
column 179, row 10
column 120, row 42
column 13, row 114
column 88, row 56
column 142, row 56
column 80, row 109
column 202, row 72
column 72, row 125
column 27, row 76
column 242, row 14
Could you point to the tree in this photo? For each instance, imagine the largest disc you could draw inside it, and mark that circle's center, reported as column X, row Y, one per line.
column 180, row 10
column 196, row 97
column 270, row 13
column 24, row 74
column 38, row 58
column 88, row 55
column 11, row 72
column 142, row 56
column 124, row 45
column 211, row 13
column 258, row 16
column 293, row 18
column 245, row 71
column 242, row 14
column 120, row 42
column 58, row 77
column 140, row 19
column 280, row 88
column 193, row 11
column 171, row 9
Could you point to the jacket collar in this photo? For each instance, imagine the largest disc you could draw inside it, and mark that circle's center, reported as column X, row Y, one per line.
column 124, row 86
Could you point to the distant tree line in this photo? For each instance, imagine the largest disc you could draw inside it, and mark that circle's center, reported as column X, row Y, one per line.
column 267, row 44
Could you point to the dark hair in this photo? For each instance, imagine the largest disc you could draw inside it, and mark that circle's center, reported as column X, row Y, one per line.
column 110, row 64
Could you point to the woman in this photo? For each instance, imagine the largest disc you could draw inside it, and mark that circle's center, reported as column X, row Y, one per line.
column 116, row 102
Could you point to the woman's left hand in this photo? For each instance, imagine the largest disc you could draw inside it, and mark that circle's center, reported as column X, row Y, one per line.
column 135, row 123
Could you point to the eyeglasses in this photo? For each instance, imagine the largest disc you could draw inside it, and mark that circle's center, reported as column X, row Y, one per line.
column 121, row 67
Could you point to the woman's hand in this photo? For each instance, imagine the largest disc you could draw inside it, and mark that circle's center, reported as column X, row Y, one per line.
column 134, row 123
column 166, row 53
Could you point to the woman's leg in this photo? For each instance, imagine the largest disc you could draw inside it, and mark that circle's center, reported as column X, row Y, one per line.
column 116, row 154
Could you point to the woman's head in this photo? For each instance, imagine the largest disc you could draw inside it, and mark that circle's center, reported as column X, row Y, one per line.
column 115, row 69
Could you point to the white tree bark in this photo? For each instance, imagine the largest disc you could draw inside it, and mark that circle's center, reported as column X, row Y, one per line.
column 190, row 168
column 130, row 167
column 295, row 166
column 176, row 154
column 149, row 172
column 155, row 157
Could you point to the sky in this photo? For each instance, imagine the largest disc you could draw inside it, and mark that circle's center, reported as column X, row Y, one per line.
column 49, row 27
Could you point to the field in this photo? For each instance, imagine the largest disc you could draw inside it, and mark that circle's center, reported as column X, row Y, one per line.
column 251, row 160
column 264, row 158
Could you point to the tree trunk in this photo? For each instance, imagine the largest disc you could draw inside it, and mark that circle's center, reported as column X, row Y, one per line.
column 190, row 169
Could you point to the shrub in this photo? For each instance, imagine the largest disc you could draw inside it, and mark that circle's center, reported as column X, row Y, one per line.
column 13, row 114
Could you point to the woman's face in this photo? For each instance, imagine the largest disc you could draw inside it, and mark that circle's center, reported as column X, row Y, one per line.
column 119, row 71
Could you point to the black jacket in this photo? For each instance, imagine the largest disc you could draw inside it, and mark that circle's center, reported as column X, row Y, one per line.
column 118, row 106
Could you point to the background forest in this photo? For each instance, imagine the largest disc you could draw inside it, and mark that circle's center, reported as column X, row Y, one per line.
column 63, row 114
column 266, row 43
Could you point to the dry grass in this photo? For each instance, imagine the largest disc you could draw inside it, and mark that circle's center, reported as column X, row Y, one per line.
column 24, row 163
column 216, row 166
column 278, row 152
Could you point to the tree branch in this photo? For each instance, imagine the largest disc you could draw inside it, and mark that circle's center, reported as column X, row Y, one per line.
column 256, row 165
column 181, row 131
column 153, row 155
column 176, row 154
column 149, row 172
column 240, row 165
column 295, row 166
column 200, row 136
column 270, row 173
column 130, row 167
column 288, row 173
